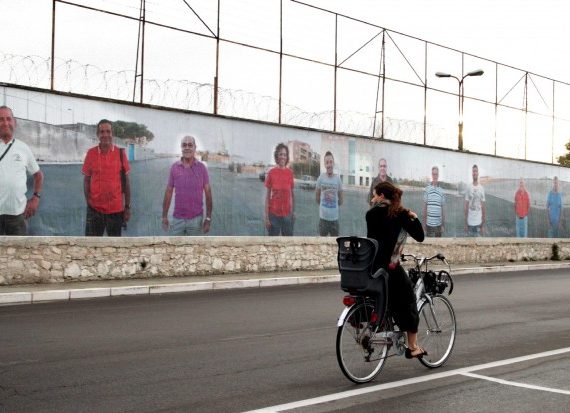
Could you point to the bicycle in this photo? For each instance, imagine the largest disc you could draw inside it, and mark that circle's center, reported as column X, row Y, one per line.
column 363, row 341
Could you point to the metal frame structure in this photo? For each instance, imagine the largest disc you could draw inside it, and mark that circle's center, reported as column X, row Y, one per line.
column 381, row 76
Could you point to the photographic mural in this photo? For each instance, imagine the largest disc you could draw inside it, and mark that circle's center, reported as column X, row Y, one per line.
column 256, row 179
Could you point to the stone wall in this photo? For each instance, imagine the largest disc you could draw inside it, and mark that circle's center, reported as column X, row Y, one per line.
column 26, row 260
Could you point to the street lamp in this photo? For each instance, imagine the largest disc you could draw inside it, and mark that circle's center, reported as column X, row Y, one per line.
column 461, row 98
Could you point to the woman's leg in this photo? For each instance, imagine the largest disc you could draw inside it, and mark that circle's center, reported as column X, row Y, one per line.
column 413, row 343
column 413, row 350
column 402, row 300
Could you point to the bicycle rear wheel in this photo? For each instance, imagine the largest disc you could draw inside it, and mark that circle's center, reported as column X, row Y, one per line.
column 436, row 331
column 360, row 350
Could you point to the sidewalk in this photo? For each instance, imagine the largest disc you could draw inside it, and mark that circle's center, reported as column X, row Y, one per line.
column 35, row 293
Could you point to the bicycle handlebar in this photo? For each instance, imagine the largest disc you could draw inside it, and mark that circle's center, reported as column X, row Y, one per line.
column 420, row 261
column 439, row 256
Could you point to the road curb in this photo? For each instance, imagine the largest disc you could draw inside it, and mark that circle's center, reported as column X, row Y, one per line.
column 507, row 268
column 31, row 297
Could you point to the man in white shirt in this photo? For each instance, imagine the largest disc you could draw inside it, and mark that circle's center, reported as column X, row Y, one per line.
column 329, row 196
column 475, row 210
column 17, row 161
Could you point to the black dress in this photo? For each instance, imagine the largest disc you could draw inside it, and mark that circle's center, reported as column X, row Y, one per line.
column 391, row 234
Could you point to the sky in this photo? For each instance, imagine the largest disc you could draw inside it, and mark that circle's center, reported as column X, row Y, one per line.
column 526, row 34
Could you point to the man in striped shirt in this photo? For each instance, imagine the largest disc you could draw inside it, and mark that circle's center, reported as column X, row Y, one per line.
column 434, row 200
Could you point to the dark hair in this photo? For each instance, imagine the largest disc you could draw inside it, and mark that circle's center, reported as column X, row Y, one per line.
column 391, row 193
column 329, row 153
column 278, row 148
column 102, row 121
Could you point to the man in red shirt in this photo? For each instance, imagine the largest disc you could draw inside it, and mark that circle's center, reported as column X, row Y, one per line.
column 104, row 191
column 522, row 207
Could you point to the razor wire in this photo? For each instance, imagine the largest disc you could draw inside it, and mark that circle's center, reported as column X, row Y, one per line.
column 87, row 79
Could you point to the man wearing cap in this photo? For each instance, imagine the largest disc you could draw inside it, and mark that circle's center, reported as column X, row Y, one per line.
column 189, row 181
column 108, row 197
column 16, row 162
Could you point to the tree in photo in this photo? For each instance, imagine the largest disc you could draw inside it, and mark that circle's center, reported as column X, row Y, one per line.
column 132, row 131
column 564, row 160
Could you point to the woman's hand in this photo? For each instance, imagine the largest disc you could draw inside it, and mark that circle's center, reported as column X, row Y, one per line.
column 412, row 215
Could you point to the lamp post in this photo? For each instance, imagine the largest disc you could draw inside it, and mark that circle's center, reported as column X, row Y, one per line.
column 460, row 95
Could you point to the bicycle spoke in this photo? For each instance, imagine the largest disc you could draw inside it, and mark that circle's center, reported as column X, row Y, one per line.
column 436, row 332
column 360, row 355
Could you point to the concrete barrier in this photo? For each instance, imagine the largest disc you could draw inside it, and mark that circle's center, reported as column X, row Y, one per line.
column 28, row 260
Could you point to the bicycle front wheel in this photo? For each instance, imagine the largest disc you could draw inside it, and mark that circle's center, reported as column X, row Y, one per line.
column 361, row 350
column 436, row 331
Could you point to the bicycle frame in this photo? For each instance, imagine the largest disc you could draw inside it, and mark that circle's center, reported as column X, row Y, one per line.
column 363, row 344
column 419, row 287
column 393, row 337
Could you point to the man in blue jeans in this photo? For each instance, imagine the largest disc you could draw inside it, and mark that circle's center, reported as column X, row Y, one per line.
column 329, row 196
column 554, row 208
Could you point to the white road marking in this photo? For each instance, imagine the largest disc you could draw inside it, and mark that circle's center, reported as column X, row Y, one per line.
column 405, row 382
column 514, row 383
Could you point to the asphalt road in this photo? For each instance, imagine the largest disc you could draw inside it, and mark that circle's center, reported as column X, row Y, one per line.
column 238, row 350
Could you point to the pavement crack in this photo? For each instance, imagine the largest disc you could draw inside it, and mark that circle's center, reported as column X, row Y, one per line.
column 8, row 392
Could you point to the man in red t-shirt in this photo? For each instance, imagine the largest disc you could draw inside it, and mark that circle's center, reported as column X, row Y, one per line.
column 104, row 191
column 522, row 207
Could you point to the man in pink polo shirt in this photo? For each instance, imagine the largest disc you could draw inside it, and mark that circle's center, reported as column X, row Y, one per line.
column 189, row 180
column 104, row 192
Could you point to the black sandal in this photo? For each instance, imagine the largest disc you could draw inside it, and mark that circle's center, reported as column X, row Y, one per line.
column 409, row 354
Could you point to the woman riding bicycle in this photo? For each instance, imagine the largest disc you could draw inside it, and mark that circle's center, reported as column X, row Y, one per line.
column 389, row 223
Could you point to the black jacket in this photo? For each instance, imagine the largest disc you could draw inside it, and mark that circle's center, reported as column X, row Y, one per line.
column 389, row 232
